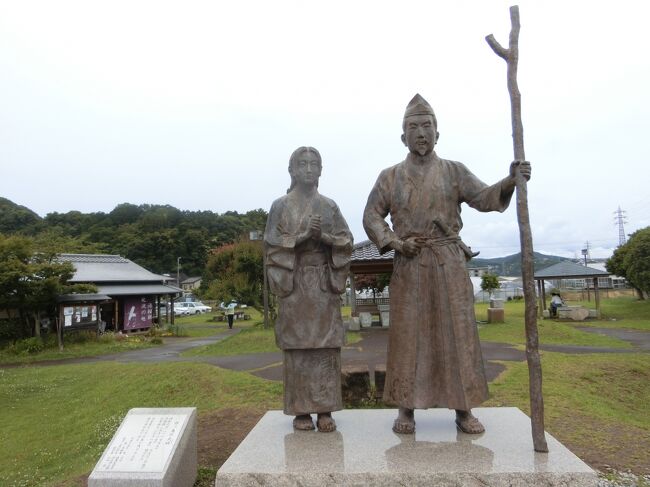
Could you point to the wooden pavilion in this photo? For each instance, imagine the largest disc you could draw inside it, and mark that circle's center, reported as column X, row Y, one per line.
column 366, row 259
column 568, row 270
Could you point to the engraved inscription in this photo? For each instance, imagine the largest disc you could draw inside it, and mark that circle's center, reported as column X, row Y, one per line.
column 143, row 443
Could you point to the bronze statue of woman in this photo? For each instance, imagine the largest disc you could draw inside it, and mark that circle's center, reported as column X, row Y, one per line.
column 308, row 246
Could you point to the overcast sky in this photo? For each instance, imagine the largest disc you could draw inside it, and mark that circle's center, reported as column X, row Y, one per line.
column 200, row 104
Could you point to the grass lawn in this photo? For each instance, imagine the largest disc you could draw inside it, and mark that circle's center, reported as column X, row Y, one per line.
column 202, row 325
column 255, row 339
column 106, row 344
column 56, row 421
column 597, row 405
column 550, row 331
column 623, row 312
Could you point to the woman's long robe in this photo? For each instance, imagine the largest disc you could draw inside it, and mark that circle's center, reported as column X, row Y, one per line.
column 434, row 354
column 308, row 280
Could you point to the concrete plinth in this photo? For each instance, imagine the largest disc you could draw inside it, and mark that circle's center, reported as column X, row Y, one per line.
column 153, row 447
column 365, row 451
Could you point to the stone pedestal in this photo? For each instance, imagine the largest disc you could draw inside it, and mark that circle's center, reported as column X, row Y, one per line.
column 496, row 315
column 384, row 314
column 365, row 451
column 365, row 319
column 153, row 447
column 354, row 324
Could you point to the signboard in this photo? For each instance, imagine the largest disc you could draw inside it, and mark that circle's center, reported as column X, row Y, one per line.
column 82, row 315
column 138, row 313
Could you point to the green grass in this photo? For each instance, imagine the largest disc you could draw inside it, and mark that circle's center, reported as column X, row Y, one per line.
column 550, row 331
column 104, row 345
column 56, row 421
column 202, row 325
column 255, row 339
column 624, row 312
column 598, row 405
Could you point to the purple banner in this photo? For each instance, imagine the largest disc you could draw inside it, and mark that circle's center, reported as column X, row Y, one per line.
column 138, row 313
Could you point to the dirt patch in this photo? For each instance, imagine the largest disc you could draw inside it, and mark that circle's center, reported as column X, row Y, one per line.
column 220, row 432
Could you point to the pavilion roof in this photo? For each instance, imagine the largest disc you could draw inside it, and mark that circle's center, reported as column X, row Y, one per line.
column 567, row 269
column 367, row 250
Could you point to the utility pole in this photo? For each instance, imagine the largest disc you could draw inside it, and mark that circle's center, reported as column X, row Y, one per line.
column 585, row 253
column 620, row 219
column 178, row 271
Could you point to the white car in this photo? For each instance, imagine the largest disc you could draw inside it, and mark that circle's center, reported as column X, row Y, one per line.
column 193, row 308
column 178, row 311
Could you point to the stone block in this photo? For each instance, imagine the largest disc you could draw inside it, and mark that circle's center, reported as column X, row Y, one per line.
column 385, row 318
column 546, row 314
column 354, row 324
column 153, row 447
column 355, row 384
column 496, row 315
column 365, row 319
column 496, row 303
column 575, row 313
column 593, row 313
column 364, row 451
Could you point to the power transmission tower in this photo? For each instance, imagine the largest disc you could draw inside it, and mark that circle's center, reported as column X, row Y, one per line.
column 619, row 219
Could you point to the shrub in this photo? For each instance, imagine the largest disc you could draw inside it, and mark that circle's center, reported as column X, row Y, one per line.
column 28, row 345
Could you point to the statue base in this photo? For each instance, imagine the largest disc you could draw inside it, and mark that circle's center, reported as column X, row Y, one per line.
column 365, row 451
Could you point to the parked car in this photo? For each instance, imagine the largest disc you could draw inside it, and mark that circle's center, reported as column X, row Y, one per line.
column 179, row 311
column 194, row 308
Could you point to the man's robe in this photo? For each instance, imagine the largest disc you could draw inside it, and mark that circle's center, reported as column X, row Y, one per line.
column 434, row 354
column 308, row 280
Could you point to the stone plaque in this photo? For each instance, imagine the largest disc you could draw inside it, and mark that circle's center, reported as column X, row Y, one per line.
column 143, row 443
column 151, row 447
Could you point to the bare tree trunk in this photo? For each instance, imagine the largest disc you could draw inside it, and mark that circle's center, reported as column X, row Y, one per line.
column 511, row 56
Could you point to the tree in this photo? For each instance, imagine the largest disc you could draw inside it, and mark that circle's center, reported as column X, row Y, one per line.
column 31, row 278
column 489, row 283
column 372, row 282
column 235, row 271
column 632, row 261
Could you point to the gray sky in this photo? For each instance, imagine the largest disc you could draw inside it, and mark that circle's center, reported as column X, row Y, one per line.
column 200, row 104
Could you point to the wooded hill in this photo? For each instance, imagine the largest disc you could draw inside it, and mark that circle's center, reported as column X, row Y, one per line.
column 510, row 265
column 150, row 235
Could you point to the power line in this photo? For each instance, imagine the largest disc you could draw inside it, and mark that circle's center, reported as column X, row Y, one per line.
column 620, row 219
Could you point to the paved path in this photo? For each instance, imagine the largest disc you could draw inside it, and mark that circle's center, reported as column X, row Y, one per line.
column 370, row 351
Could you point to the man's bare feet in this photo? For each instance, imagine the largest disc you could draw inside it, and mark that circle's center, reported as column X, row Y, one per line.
column 325, row 423
column 405, row 422
column 303, row 422
column 468, row 423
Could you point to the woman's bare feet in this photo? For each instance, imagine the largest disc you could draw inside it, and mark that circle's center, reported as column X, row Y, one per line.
column 325, row 423
column 468, row 423
column 303, row 422
column 405, row 422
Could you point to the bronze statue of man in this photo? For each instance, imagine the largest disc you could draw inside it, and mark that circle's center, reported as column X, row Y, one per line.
column 434, row 355
column 308, row 246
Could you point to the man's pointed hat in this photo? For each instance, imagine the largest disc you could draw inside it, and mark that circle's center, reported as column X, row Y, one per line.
column 418, row 106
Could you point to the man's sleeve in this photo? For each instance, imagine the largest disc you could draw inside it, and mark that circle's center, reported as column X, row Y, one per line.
column 377, row 208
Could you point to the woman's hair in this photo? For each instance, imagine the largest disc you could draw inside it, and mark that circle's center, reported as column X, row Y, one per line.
column 294, row 159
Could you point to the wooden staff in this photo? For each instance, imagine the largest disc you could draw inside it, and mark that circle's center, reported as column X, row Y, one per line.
column 511, row 56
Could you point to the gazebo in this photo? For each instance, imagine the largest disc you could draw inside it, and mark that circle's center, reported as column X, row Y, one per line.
column 366, row 259
column 568, row 270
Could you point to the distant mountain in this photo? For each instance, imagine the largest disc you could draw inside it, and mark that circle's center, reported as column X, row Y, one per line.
column 16, row 218
column 510, row 265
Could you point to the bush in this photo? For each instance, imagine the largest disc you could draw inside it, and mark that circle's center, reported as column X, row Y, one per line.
column 157, row 341
column 28, row 345
column 177, row 330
